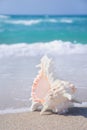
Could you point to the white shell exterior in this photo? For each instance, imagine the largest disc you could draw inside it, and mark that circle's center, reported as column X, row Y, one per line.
column 58, row 94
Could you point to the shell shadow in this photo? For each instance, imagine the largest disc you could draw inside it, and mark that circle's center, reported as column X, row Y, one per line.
column 77, row 111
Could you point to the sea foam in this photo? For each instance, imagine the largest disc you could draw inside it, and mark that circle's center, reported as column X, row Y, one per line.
column 12, row 110
column 66, row 21
column 31, row 21
column 3, row 17
column 23, row 22
column 53, row 47
column 28, row 109
column 38, row 21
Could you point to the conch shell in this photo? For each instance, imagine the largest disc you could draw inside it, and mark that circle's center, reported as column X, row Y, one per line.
column 50, row 94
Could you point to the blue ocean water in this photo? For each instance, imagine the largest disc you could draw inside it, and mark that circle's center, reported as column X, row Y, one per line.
column 45, row 28
column 25, row 39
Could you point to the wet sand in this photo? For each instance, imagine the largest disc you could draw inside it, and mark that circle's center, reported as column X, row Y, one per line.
column 75, row 119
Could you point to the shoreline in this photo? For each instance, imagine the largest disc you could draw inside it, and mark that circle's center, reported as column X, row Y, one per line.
column 15, row 110
column 75, row 119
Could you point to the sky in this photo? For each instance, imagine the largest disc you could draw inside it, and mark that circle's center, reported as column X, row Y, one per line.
column 43, row 7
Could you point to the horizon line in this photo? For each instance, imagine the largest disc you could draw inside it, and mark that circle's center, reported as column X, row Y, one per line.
column 45, row 14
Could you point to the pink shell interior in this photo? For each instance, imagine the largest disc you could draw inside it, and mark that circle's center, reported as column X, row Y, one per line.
column 40, row 88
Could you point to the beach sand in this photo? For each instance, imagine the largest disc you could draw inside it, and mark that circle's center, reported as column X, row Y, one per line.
column 75, row 119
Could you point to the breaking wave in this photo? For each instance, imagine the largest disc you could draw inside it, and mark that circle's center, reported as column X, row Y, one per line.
column 24, row 22
column 3, row 17
column 53, row 47
column 12, row 110
column 66, row 21
column 29, row 22
column 56, row 19
column 26, row 109
column 38, row 21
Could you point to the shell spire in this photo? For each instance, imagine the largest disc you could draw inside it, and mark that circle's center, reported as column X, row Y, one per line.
column 44, row 65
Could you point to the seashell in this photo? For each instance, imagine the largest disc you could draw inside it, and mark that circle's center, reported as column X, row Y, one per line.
column 57, row 98
column 47, row 93
column 41, row 84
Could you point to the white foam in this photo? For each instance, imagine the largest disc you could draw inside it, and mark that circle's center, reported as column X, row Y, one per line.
column 66, row 21
column 51, row 20
column 3, row 17
column 53, row 47
column 26, row 109
column 24, row 22
column 38, row 21
column 31, row 22
column 12, row 110
column 84, row 104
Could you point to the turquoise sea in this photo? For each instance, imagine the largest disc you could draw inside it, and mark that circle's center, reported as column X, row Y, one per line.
column 44, row 28
column 24, row 39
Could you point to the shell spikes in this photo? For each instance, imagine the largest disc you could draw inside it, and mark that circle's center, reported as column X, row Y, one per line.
column 49, row 94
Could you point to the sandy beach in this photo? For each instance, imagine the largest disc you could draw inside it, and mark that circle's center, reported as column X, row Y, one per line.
column 75, row 119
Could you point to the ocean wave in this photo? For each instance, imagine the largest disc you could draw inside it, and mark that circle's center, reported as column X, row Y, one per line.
column 38, row 21
column 31, row 22
column 51, row 20
column 12, row 110
column 25, row 109
column 53, row 48
column 23, row 22
column 66, row 21
column 3, row 17
column 28, row 22
column 84, row 104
